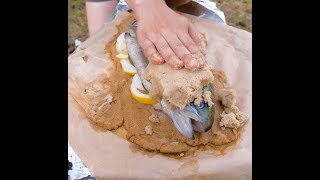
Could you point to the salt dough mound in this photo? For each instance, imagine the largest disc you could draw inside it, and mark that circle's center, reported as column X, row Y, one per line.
column 177, row 87
column 107, row 103
column 165, row 138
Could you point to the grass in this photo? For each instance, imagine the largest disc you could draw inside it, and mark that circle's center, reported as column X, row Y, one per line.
column 77, row 22
column 238, row 13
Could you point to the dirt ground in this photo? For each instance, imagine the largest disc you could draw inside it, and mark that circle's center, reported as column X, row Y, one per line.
column 238, row 14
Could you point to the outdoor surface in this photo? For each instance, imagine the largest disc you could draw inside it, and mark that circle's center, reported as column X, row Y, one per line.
column 238, row 13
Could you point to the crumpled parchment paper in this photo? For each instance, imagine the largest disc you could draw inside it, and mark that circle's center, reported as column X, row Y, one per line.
column 108, row 156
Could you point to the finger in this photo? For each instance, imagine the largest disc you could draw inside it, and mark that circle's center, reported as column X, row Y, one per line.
column 166, row 52
column 196, row 37
column 151, row 52
column 188, row 42
column 201, row 59
column 190, row 62
column 181, row 51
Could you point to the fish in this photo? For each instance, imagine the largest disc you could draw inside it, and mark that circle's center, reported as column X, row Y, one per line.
column 187, row 121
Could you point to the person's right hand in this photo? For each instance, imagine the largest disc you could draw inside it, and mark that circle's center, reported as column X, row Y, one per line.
column 166, row 36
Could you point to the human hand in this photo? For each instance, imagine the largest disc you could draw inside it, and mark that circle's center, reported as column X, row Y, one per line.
column 166, row 36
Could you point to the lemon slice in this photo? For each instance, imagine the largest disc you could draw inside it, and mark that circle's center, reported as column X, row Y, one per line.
column 121, row 44
column 138, row 84
column 122, row 56
column 141, row 97
column 127, row 67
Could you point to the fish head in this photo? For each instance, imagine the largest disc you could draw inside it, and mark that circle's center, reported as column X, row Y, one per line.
column 192, row 118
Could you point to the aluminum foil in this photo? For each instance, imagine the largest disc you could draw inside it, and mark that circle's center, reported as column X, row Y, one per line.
column 78, row 171
column 207, row 9
column 204, row 9
column 212, row 6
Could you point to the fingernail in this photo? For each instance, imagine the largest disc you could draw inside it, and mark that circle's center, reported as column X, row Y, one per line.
column 192, row 66
column 176, row 62
column 156, row 59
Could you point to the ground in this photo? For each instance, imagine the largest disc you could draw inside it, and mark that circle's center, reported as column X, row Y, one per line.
column 238, row 14
column 77, row 22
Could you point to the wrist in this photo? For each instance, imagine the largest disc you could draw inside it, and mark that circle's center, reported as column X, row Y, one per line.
column 141, row 7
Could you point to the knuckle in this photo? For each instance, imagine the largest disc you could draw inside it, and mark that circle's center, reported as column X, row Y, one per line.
column 178, row 47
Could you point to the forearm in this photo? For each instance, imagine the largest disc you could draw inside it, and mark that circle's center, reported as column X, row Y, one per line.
column 98, row 12
column 135, row 4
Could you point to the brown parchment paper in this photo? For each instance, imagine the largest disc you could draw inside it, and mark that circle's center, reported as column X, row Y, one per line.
column 109, row 156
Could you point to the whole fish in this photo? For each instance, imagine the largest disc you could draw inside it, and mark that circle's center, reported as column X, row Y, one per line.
column 191, row 118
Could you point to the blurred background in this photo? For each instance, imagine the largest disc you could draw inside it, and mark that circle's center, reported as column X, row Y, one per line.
column 238, row 13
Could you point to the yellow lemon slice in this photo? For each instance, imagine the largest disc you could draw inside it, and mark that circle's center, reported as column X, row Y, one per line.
column 121, row 44
column 141, row 97
column 136, row 81
column 128, row 67
column 122, row 56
